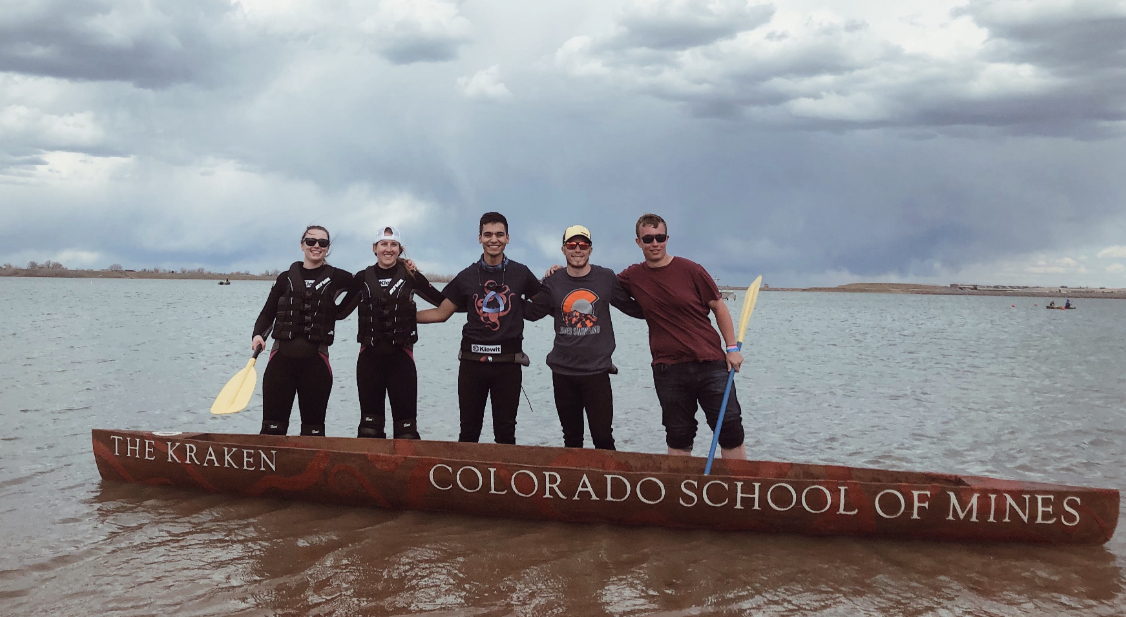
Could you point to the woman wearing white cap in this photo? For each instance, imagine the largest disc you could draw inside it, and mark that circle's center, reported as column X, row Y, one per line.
column 387, row 333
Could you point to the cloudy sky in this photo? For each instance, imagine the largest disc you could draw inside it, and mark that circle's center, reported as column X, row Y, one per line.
column 812, row 141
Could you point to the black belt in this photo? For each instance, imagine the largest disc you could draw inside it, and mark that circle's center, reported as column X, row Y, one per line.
column 499, row 358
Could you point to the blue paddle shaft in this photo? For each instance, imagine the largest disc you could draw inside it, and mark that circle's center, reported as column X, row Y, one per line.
column 722, row 410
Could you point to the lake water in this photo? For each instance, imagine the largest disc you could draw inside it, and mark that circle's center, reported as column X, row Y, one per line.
column 951, row 384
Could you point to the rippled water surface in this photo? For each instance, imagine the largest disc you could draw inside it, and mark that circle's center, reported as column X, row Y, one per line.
column 951, row 384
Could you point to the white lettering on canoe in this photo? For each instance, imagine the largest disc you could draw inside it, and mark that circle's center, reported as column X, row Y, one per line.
column 476, row 472
column 535, row 483
column 898, row 495
column 739, row 495
column 551, row 482
column 272, row 461
column 770, row 497
column 434, row 482
column 815, row 499
column 610, row 487
column 1040, row 509
column 493, row 483
column 970, row 508
column 916, row 503
column 584, row 485
column 841, row 510
column 1009, row 503
column 1071, row 511
column 695, row 499
column 828, row 499
column 707, row 500
column 659, row 484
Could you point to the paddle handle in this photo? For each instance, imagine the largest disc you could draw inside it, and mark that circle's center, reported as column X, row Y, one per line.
column 722, row 411
column 265, row 337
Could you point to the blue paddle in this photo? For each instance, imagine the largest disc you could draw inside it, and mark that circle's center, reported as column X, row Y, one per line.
column 748, row 308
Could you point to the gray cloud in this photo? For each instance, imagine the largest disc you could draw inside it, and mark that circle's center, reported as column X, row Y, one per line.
column 150, row 45
column 679, row 24
column 417, row 31
column 1052, row 73
column 837, row 153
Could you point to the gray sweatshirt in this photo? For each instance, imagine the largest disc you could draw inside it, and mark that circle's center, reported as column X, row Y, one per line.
column 584, row 331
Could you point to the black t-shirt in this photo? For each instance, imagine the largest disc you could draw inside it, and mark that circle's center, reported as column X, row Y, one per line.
column 491, row 298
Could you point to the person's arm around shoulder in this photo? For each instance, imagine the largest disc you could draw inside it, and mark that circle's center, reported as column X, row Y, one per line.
column 427, row 291
column 621, row 300
column 532, row 285
column 437, row 315
column 539, row 305
column 351, row 297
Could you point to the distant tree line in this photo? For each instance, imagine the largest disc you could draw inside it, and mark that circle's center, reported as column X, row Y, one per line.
column 47, row 265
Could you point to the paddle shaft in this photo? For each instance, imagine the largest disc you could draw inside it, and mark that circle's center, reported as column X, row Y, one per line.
column 722, row 411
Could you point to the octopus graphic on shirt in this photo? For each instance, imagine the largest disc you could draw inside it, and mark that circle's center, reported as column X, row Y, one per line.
column 496, row 303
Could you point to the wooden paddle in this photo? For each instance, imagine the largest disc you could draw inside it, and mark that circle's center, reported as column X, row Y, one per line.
column 748, row 308
column 236, row 394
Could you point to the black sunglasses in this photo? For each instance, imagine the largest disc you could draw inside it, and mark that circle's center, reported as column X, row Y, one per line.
column 576, row 245
column 322, row 242
column 649, row 238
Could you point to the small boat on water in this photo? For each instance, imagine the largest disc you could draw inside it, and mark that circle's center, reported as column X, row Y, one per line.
column 1062, row 308
column 599, row 486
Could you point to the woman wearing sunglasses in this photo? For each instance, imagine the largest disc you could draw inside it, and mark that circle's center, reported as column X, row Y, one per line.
column 388, row 331
column 301, row 310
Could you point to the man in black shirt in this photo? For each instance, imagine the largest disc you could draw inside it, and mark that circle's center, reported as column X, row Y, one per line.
column 491, row 293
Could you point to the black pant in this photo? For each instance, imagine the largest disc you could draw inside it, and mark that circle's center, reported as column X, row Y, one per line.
column 477, row 381
column 309, row 378
column 383, row 374
column 572, row 394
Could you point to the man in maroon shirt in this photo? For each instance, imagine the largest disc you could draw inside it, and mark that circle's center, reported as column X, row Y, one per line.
column 690, row 365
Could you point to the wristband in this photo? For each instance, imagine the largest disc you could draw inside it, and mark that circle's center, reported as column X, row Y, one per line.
column 731, row 348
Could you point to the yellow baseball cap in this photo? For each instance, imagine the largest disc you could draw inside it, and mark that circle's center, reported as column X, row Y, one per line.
column 577, row 230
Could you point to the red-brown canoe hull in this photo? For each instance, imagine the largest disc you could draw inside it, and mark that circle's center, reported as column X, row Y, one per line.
column 612, row 487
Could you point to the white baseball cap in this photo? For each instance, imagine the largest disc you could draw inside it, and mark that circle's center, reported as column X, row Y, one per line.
column 394, row 235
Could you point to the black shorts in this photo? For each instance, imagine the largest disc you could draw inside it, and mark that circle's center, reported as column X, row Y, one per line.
column 684, row 387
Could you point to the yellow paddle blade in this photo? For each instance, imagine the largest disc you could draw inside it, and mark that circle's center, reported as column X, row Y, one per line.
column 748, row 307
column 236, row 394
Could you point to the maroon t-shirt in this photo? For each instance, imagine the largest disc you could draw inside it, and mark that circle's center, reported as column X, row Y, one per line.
column 675, row 301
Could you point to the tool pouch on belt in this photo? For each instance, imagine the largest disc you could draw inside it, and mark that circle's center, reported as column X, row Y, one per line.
column 497, row 358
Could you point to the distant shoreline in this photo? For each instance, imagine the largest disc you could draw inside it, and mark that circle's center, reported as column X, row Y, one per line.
column 1060, row 293
column 876, row 288
column 132, row 274
column 152, row 274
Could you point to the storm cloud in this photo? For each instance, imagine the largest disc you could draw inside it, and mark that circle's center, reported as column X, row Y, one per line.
column 811, row 142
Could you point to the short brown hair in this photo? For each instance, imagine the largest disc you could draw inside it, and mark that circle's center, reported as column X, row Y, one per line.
column 652, row 220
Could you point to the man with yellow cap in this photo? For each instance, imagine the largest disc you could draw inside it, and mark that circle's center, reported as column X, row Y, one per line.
column 579, row 297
